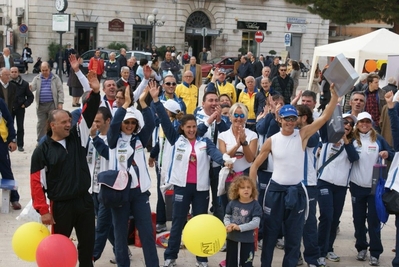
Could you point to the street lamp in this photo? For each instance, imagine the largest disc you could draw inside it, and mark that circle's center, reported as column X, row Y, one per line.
column 152, row 19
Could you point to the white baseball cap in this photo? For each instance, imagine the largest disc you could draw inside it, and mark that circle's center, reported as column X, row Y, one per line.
column 364, row 115
column 172, row 106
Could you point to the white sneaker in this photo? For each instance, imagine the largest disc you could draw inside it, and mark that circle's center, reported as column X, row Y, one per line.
column 260, row 244
column 321, row 261
column 113, row 260
column 201, row 264
column 331, row 256
column 374, row 261
column 169, row 263
column 280, row 243
column 361, row 255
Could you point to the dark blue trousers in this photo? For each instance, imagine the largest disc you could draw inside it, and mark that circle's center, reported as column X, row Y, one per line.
column 5, row 168
column 395, row 261
column 283, row 209
column 161, row 207
column 183, row 197
column 331, row 203
column 104, row 227
column 363, row 207
column 312, row 251
column 263, row 181
column 139, row 206
column 239, row 254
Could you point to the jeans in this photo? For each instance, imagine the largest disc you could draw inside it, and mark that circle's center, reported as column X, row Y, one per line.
column 139, row 205
column 331, row 203
column 5, row 168
column 104, row 228
column 363, row 207
column 183, row 197
column 19, row 114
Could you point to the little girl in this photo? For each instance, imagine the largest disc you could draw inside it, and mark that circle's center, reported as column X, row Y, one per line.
column 242, row 217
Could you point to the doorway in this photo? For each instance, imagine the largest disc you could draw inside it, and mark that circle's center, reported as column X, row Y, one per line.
column 248, row 42
column 142, row 36
column 195, row 22
column 85, row 36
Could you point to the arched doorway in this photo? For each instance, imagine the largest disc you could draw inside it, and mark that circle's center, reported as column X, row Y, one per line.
column 194, row 24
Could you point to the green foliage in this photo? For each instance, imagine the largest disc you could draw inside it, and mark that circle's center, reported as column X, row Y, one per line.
column 161, row 52
column 242, row 50
column 53, row 48
column 116, row 45
column 272, row 52
column 345, row 12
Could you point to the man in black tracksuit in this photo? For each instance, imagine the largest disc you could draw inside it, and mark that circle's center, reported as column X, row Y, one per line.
column 59, row 168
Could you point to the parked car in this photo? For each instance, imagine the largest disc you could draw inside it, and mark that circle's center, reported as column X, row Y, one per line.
column 86, row 56
column 221, row 62
column 18, row 61
column 139, row 55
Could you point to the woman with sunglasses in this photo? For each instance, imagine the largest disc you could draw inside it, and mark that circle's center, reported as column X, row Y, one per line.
column 335, row 163
column 285, row 197
column 370, row 146
column 129, row 131
column 188, row 171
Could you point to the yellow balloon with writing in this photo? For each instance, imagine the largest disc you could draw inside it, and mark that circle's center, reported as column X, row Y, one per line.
column 204, row 235
column 27, row 238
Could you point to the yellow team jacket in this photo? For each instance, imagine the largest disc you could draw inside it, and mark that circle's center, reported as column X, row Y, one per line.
column 189, row 94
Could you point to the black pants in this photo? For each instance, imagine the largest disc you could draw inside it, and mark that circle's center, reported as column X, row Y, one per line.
column 77, row 213
column 19, row 114
column 239, row 254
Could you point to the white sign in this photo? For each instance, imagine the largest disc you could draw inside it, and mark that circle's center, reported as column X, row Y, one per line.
column 297, row 28
column 296, row 20
column 61, row 22
column 204, row 31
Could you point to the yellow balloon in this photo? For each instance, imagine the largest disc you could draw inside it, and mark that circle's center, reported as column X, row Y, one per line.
column 204, row 235
column 27, row 238
column 380, row 62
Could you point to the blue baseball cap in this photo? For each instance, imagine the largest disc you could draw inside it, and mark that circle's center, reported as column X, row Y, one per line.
column 287, row 111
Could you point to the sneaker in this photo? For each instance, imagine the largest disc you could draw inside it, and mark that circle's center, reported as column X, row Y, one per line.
column 300, row 261
column 201, row 264
column 331, row 256
column 160, row 228
column 280, row 243
column 21, row 149
column 113, row 260
column 374, row 261
column 361, row 255
column 222, row 263
column 321, row 262
column 260, row 244
column 169, row 263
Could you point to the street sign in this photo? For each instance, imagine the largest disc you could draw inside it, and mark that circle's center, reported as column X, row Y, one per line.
column 23, row 28
column 259, row 37
column 204, row 31
column 287, row 39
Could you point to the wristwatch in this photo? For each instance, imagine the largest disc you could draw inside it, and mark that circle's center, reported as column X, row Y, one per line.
column 245, row 143
column 14, row 140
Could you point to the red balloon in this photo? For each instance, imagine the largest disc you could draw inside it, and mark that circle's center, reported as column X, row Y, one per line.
column 56, row 250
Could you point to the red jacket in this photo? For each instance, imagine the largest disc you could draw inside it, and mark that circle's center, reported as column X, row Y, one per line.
column 97, row 65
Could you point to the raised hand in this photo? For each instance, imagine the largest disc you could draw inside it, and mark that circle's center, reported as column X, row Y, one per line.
column 389, row 98
column 128, row 99
column 74, row 62
column 93, row 81
column 153, row 90
column 147, row 72
column 142, row 97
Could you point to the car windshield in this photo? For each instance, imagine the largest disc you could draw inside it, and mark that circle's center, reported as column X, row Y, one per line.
column 15, row 55
column 215, row 60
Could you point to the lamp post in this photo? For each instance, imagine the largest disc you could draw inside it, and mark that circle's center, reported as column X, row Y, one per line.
column 152, row 19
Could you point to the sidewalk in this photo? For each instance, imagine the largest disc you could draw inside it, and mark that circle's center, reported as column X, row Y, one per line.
column 344, row 245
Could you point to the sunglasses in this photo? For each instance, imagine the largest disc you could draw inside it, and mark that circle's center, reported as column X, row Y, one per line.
column 170, row 84
column 349, row 122
column 130, row 122
column 292, row 119
column 236, row 115
column 283, row 69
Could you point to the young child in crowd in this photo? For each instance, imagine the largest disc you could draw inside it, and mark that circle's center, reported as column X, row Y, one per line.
column 242, row 217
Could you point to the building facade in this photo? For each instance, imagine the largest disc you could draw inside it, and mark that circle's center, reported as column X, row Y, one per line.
column 228, row 25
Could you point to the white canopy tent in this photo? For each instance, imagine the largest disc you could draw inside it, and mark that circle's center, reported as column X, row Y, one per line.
column 375, row 45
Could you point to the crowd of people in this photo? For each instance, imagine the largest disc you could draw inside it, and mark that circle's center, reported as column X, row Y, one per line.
column 285, row 165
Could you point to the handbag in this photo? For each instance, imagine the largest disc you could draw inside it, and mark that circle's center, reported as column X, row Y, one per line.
column 114, row 189
column 391, row 201
column 29, row 60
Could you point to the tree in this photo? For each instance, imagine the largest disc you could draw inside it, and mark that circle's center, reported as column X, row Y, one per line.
column 345, row 12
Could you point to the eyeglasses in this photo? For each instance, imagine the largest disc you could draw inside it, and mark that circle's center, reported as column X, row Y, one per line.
column 170, row 84
column 283, row 69
column 130, row 122
column 349, row 122
column 291, row 118
column 236, row 115
column 188, row 76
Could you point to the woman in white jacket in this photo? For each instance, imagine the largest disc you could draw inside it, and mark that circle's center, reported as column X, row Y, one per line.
column 370, row 146
column 188, row 171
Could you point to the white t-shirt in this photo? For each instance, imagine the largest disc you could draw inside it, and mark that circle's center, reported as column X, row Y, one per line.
column 229, row 139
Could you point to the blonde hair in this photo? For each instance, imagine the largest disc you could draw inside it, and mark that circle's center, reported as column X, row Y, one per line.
column 235, row 185
column 356, row 136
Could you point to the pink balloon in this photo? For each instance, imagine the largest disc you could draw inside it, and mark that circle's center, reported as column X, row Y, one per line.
column 56, row 250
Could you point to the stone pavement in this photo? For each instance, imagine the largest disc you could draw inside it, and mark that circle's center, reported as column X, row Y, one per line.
column 344, row 245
